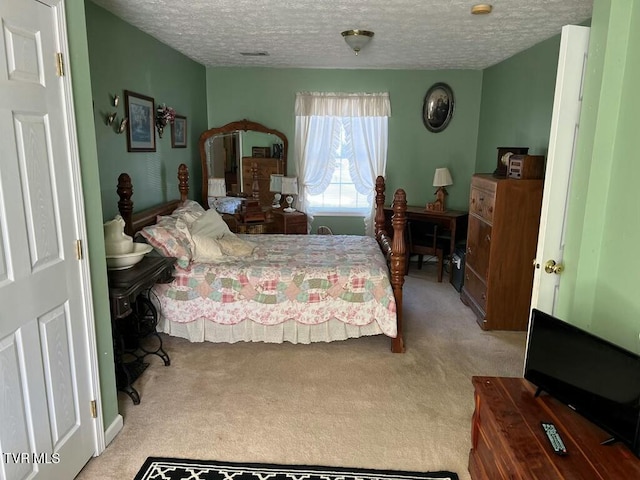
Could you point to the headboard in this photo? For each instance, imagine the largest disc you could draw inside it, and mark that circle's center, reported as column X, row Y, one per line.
column 134, row 223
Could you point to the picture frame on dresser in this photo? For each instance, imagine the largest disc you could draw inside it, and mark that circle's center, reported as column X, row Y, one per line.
column 261, row 152
column 502, row 163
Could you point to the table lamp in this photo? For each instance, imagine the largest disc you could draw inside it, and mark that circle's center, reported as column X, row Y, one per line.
column 441, row 179
column 217, row 187
column 275, row 186
column 289, row 188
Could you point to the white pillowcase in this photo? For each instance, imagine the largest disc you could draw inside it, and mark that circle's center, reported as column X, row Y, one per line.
column 205, row 232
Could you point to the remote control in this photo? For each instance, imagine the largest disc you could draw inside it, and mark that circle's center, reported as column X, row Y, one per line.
column 554, row 438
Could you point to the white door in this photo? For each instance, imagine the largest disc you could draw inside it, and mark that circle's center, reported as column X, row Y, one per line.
column 46, row 425
column 574, row 45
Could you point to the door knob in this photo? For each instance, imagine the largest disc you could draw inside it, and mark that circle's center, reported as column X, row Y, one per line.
column 551, row 266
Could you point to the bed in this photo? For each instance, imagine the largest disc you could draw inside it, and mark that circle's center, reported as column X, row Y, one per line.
column 273, row 288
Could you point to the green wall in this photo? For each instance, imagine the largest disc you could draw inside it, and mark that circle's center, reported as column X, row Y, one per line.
column 115, row 65
column 124, row 58
column 517, row 103
column 79, row 65
column 267, row 96
column 600, row 291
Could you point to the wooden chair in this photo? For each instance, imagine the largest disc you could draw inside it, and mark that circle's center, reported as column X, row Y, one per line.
column 424, row 241
column 324, row 230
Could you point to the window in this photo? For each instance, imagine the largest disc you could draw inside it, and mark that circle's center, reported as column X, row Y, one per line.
column 340, row 196
column 340, row 149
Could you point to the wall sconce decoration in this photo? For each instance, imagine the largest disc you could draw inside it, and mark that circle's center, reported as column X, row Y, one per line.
column 111, row 117
column 441, row 179
column 164, row 116
column 123, row 125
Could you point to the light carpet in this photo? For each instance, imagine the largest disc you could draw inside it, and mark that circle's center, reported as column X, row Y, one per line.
column 350, row 404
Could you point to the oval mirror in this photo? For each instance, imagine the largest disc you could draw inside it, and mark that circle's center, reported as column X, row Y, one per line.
column 438, row 107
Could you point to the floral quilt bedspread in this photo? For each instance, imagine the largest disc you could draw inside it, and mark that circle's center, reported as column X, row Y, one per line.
column 307, row 278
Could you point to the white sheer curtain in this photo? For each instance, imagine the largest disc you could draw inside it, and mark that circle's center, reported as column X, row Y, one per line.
column 319, row 120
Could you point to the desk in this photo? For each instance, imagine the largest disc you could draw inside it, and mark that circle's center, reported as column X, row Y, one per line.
column 452, row 221
column 134, row 319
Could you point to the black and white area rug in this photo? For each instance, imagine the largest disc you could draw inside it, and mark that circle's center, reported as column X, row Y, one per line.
column 174, row 468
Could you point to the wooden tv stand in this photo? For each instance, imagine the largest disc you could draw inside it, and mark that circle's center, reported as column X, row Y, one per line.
column 507, row 440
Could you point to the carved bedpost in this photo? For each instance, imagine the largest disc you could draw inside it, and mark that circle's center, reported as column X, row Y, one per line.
column 398, row 261
column 125, row 205
column 379, row 220
column 183, row 181
column 255, row 185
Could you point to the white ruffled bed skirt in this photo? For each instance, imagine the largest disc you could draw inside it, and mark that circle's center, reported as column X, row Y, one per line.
column 202, row 330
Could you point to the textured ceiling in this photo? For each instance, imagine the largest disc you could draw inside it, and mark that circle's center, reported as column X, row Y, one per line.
column 409, row 34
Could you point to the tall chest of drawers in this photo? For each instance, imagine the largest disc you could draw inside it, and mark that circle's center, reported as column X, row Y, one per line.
column 504, row 216
column 264, row 168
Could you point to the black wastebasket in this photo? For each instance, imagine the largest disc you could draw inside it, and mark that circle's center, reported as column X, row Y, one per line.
column 457, row 264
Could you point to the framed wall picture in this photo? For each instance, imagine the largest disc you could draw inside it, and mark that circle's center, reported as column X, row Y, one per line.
column 141, row 134
column 179, row 132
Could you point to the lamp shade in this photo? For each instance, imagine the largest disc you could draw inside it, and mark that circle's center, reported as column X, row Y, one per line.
column 275, row 183
column 289, row 185
column 442, row 178
column 217, row 187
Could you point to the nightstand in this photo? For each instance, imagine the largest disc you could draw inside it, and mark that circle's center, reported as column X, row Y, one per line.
column 289, row 222
column 134, row 318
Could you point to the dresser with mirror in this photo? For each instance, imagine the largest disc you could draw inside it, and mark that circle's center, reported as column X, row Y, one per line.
column 234, row 150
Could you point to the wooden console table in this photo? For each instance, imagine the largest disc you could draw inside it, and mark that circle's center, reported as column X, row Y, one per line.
column 454, row 222
column 134, row 319
column 507, row 440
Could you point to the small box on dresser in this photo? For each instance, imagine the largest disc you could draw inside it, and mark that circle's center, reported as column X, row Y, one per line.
column 289, row 222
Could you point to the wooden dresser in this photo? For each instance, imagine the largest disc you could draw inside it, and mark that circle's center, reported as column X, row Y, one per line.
column 507, row 440
column 504, row 215
column 289, row 223
column 265, row 166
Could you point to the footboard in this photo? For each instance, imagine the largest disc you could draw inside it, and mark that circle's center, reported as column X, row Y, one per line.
column 394, row 248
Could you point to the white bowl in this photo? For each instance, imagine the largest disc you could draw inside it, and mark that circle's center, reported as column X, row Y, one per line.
column 128, row 260
column 124, row 245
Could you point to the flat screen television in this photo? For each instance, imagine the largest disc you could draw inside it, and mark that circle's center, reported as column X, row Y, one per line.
column 597, row 379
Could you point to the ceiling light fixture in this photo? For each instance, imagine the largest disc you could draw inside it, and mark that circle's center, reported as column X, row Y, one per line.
column 481, row 9
column 357, row 39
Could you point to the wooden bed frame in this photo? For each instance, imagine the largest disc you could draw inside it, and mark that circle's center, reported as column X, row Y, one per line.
column 392, row 244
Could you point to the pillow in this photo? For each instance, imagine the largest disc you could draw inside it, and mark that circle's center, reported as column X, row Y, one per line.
column 169, row 242
column 210, row 224
column 189, row 206
column 205, row 232
column 232, row 245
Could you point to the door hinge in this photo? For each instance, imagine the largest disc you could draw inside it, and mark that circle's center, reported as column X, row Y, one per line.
column 94, row 409
column 79, row 249
column 59, row 65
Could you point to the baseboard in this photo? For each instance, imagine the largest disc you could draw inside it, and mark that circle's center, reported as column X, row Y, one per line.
column 113, row 430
